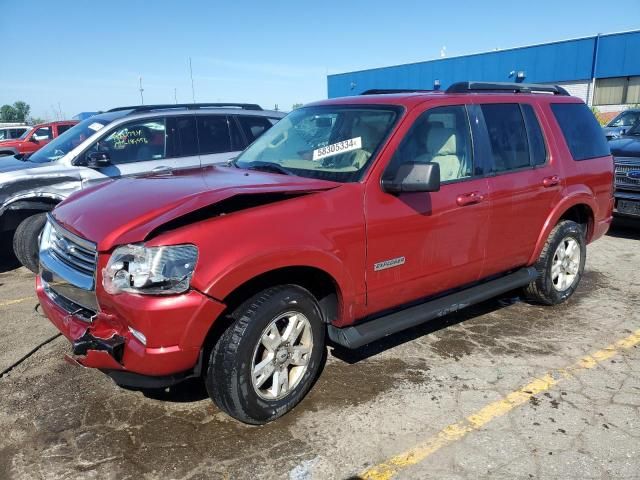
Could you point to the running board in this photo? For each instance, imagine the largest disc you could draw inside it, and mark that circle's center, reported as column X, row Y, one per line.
column 358, row 335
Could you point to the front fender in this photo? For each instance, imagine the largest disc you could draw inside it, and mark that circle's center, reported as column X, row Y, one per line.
column 225, row 281
column 576, row 195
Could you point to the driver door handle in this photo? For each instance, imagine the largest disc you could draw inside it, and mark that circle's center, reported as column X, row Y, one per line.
column 469, row 199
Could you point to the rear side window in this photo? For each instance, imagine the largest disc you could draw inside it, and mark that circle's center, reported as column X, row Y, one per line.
column 581, row 130
column 534, row 132
column 213, row 134
column 63, row 128
column 253, row 127
column 507, row 136
column 183, row 138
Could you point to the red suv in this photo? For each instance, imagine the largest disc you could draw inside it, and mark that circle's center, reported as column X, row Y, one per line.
column 36, row 138
column 349, row 220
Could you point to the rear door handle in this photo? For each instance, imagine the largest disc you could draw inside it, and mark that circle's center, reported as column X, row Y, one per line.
column 551, row 181
column 469, row 198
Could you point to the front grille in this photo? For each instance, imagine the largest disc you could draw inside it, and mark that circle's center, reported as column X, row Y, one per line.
column 623, row 167
column 73, row 251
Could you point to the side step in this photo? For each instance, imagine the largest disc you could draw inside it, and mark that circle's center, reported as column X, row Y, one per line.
column 358, row 335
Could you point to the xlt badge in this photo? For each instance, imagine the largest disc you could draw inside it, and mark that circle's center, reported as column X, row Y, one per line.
column 394, row 262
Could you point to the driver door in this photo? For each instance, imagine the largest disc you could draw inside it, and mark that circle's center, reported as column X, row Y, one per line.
column 136, row 148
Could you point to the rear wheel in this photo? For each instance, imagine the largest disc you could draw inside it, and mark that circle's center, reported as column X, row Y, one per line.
column 560, row 265
column 26, row 240
column 268, row 358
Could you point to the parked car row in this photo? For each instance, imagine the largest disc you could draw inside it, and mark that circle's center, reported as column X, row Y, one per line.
column 123, row 142
column 13, row 132
column 349, row 220
column 34, row 138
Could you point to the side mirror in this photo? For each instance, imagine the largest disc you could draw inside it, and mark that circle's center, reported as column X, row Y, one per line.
column 413, row 177
column 97, row 160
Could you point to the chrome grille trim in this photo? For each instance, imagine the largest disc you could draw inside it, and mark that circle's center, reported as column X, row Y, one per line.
column 68, row 265
column 622, row 167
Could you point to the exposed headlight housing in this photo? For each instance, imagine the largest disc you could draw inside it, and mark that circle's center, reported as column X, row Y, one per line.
column 150, row 270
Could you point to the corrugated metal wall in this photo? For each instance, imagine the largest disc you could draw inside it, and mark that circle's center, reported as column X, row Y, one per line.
column 568, row 61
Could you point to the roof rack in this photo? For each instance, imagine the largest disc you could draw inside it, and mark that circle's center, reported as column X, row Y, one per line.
column 470, row 87
column 189, row 106
column 379, row 91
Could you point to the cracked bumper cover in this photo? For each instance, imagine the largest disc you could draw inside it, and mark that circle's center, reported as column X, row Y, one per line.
column 175, row 329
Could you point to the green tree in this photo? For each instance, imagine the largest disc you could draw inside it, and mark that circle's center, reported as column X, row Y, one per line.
column 8, row 114
column 22, row 110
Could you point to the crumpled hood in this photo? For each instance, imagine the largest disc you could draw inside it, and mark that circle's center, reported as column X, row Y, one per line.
column 128, row 210
column 625, row 147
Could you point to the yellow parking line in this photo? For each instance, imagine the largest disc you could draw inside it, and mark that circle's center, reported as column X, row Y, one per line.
column 13, row 302
column 456, row 431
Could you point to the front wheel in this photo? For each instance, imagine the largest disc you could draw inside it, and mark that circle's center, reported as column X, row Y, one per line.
column 560, row 265
column 268, row 358
column 26, row 240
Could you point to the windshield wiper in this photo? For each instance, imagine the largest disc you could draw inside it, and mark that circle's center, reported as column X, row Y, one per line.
column 268, row 167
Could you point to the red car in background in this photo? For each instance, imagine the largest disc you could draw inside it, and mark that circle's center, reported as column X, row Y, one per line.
column 35, row 138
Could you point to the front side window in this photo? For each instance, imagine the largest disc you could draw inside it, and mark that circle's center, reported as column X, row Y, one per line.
column 135, row 142
column 440, row 135
column 581, row 130
column 334, row 142
column 507, row 136
column 43, row 133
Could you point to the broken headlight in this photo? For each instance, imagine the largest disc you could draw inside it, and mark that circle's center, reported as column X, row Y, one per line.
column 150, row 270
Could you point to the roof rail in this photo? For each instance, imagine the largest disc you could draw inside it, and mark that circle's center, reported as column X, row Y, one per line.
column 188, row 106
column 470, row 87
column 379, row 91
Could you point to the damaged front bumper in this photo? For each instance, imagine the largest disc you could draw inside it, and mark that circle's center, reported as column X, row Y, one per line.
column 146, row 342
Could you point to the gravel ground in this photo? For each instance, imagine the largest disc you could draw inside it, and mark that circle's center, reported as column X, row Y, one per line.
column 61, row 421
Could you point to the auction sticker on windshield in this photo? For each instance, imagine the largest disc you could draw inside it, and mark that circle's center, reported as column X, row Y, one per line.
column 337, row 148
column 95, row 126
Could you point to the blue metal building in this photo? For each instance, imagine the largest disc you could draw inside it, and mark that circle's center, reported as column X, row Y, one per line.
column 604, row 70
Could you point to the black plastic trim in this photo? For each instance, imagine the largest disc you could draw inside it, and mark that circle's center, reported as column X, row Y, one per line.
column 361, row 334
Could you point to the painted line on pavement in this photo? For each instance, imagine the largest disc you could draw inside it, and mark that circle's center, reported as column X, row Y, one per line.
column 6, row 303
column 477, row 420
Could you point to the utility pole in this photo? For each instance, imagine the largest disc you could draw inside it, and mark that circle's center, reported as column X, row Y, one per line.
column 193, row 90
column 141, row 90
column 175, row 95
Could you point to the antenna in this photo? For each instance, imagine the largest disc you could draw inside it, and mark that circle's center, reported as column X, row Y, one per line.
column 175, row 95
column 141, row 90
column 193, row 91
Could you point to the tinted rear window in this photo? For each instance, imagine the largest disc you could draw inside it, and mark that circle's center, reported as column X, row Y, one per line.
column 581, row 130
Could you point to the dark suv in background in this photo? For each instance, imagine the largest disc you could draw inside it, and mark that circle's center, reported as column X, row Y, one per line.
column 626, row 155
column 122, row 142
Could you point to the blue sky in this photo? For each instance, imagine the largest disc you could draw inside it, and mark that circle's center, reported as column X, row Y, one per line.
column 85, row 55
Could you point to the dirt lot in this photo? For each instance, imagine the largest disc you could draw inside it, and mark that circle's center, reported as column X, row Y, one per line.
column 502, row 390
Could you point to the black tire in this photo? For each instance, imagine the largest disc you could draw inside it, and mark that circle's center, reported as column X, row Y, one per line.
column 543, row 290
column 228, row 377
column 26, row 240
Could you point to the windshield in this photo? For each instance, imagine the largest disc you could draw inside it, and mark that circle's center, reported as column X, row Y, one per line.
column 334, row 142
column 60, row 146
column 625, row 119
